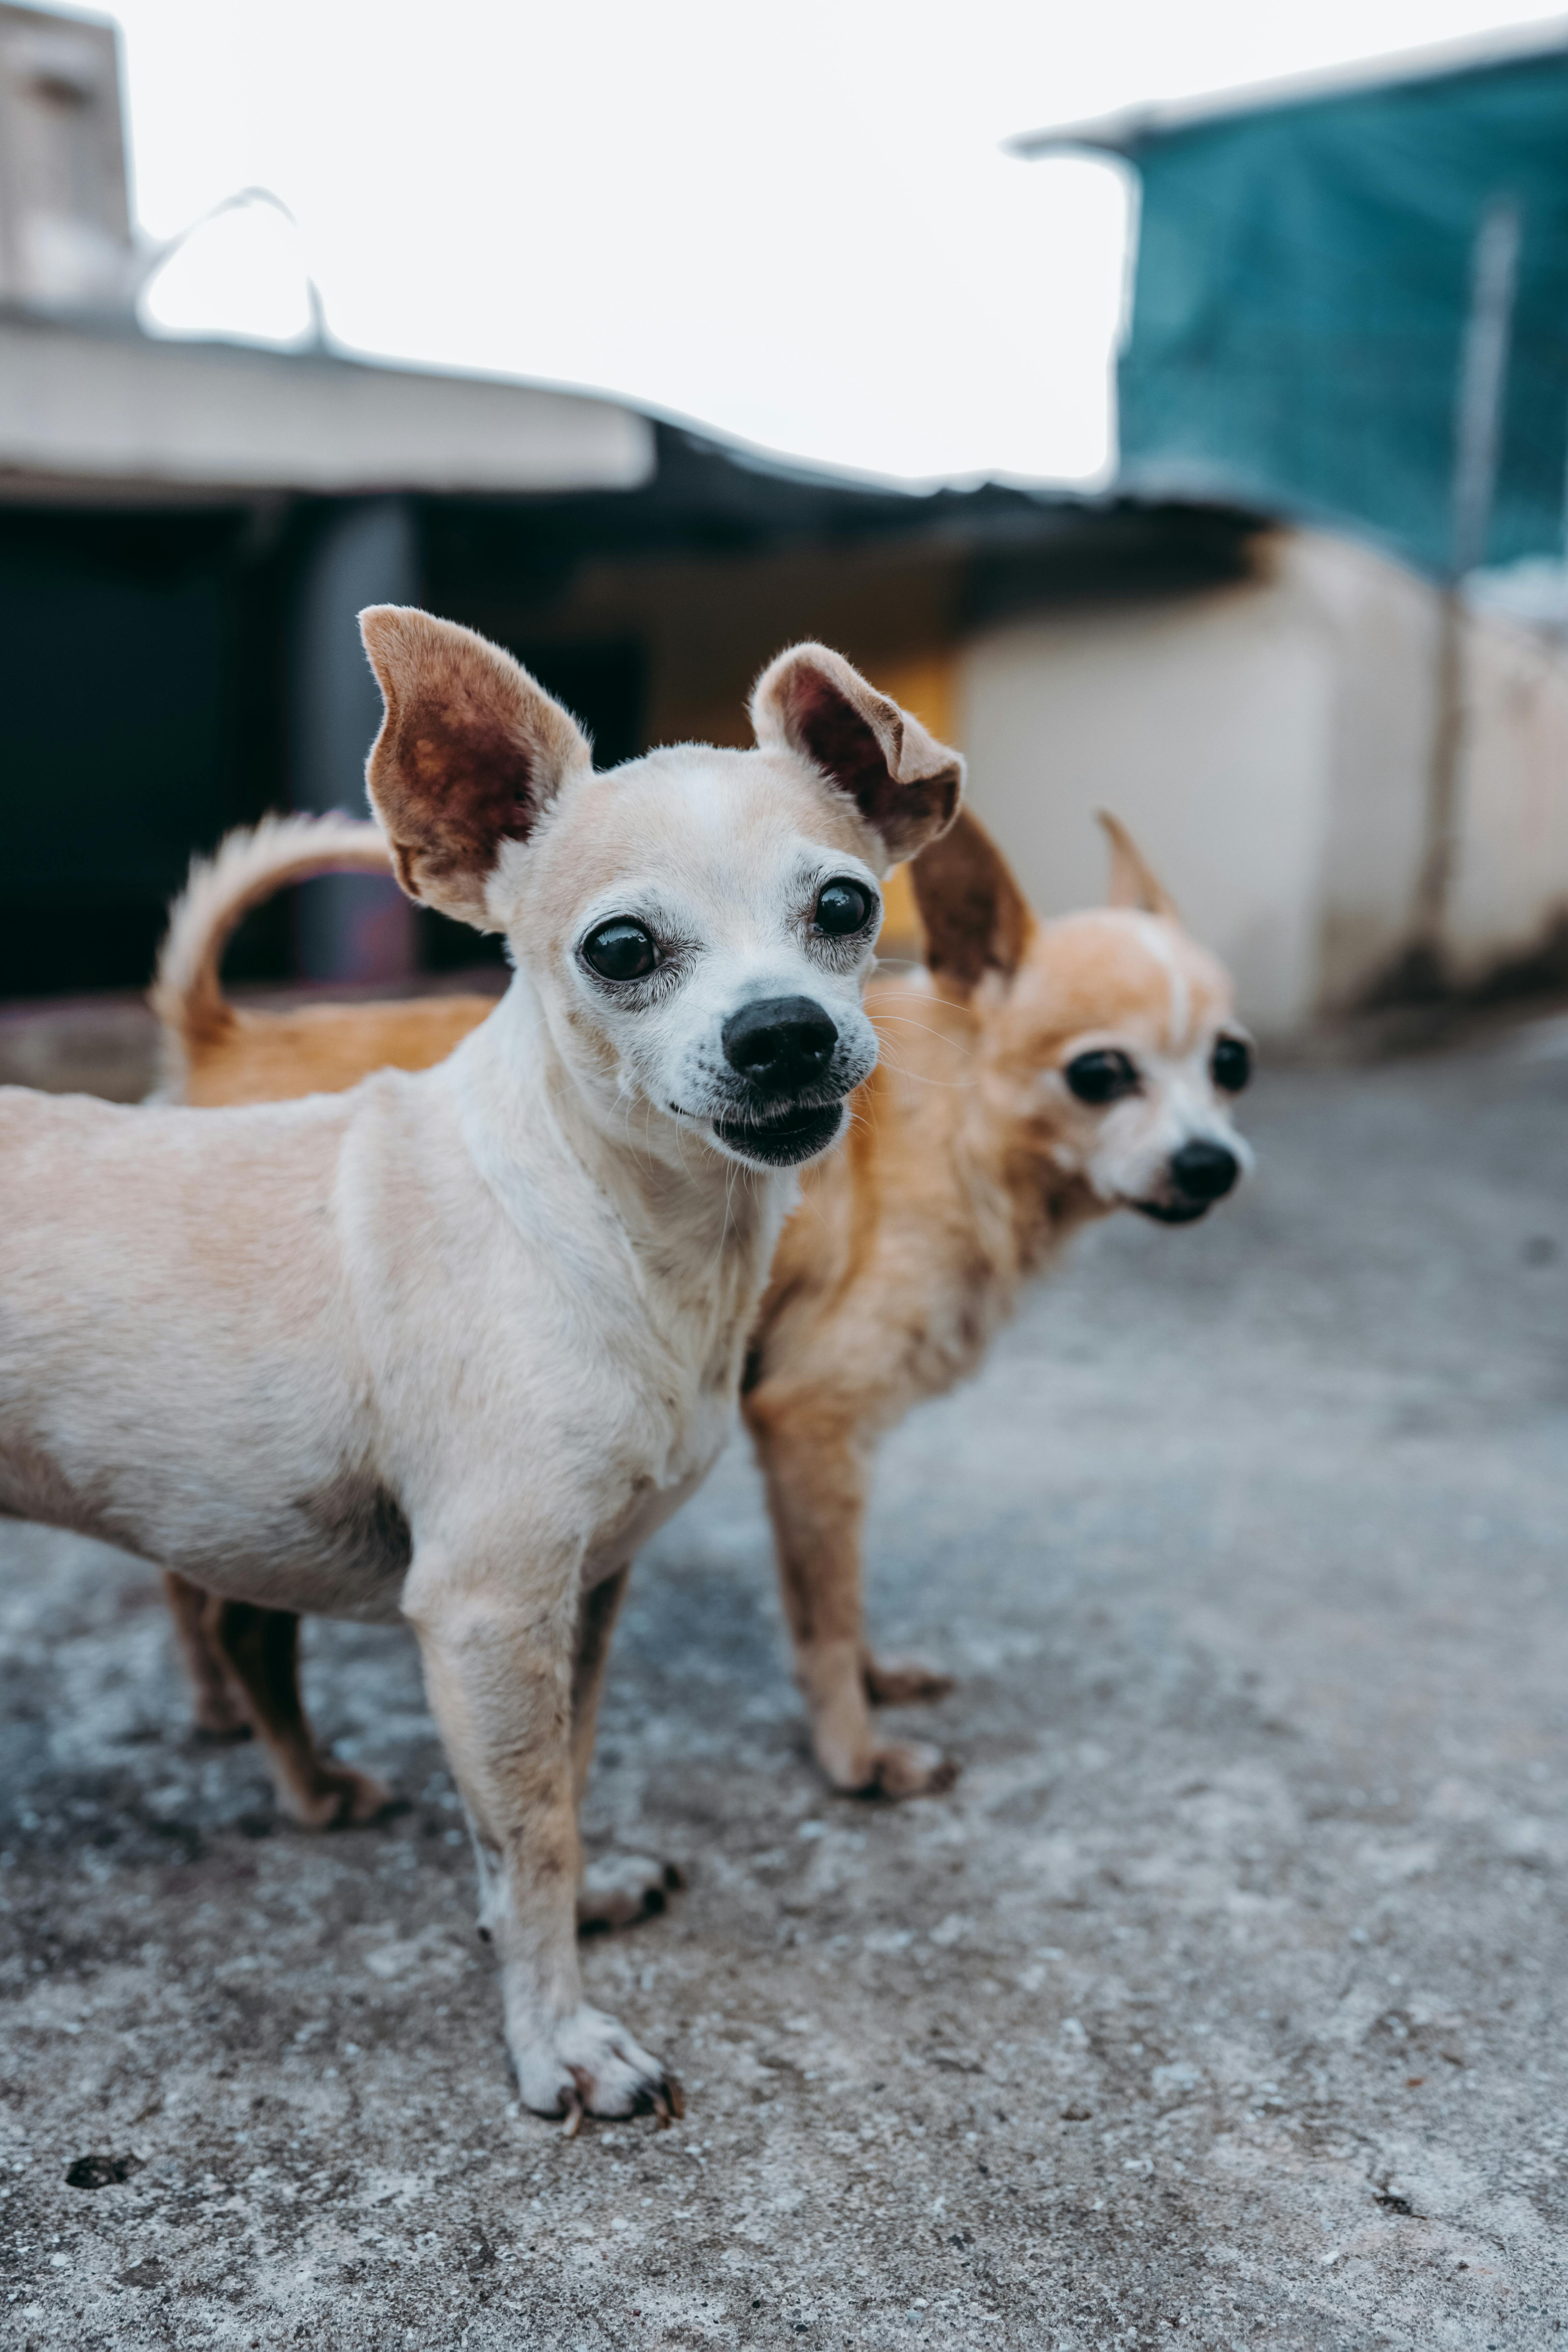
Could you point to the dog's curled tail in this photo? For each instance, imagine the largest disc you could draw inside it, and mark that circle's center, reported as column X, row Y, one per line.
column 247, row 867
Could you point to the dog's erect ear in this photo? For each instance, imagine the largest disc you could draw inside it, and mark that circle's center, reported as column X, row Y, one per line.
column 904, row 782
column 977, row 919
column 470, row 754
column 1133, row 882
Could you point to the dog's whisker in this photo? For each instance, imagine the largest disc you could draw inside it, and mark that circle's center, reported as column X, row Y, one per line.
column 923, row 1078
column 908, row 1020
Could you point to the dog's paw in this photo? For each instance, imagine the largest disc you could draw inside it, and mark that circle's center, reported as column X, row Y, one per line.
column 589, row 2065
column 902, row 1681
column 621, row 1888
column 907, row 1768
column 338, row 1798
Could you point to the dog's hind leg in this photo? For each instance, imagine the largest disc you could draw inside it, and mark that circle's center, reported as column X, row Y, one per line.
column 260, row 1648
column 816, row 1476
column 615, row 1889
column 601, row 1605
column 219, row 1713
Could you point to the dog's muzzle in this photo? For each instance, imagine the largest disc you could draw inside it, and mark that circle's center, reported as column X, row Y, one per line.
column 782, row 1046
column 1198, row 1175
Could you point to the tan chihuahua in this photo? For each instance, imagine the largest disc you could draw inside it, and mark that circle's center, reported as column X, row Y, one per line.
column 1037, row 1076
column 449, row 1344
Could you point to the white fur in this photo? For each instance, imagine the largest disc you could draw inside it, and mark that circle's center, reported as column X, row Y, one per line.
column 1179, row 1103
column 1160, row 944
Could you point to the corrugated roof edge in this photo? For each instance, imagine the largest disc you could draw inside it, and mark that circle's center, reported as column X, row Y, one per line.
column 1125, row 132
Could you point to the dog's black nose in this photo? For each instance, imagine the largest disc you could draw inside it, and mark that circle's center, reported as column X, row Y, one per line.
column 781, row 1044
column 1204, row 1171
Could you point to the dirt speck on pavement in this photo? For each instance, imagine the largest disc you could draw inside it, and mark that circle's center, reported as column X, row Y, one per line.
column 1220, row 2004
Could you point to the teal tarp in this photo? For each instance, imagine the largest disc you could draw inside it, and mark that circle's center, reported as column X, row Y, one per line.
column 1303, row 282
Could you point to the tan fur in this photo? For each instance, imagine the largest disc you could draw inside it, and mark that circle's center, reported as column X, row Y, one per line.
column 968, row 1166
column 212, row 1052
column 1133, row 882
column 448, row 1345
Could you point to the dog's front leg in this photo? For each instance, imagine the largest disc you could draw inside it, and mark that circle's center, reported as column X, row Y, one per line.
column 815, row 1473
column 499, row 1673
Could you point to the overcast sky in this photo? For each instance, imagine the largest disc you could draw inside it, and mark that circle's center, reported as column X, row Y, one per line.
column 791, row 222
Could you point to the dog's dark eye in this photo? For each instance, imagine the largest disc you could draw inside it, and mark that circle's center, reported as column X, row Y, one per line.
column 1231, row 1066
column 620, row 950
column 1102, row 1078
column 842, row 907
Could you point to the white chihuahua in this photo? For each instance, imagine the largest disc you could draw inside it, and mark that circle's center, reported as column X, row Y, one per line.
column 451, row 1345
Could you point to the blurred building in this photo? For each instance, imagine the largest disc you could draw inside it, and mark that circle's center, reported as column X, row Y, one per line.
column 1351, row 314
column 187, row 529
column 187, row 532
column 66, row 241
column 1308, row 274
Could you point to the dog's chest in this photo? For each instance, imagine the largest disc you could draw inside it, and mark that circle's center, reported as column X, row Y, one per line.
column 655, row 1492
column 947, row 1342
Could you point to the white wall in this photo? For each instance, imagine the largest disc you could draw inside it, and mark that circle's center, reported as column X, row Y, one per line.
column 1206, row 725
column 1270, row 746
column 1512, row 878
column 1379, row 625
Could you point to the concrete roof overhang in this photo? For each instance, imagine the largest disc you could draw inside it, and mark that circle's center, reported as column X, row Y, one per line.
column 103, row 413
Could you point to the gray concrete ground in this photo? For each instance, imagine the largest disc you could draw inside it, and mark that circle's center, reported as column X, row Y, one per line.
column 1220, row 2004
